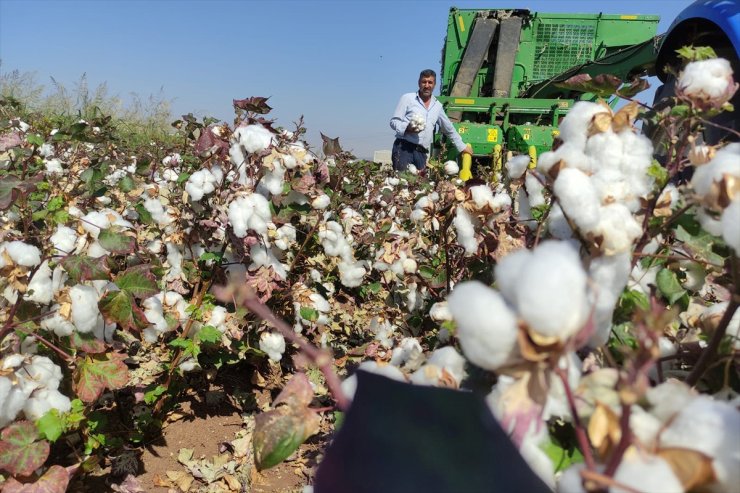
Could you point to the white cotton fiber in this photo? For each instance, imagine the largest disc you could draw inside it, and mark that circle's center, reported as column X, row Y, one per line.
column 465, row 231
column 408, row 349
column 261, row 255
column 551, row 290
column 249, row 212
column 160, row 215
column 450, row 360
column 517, row 165
column 64, row 239
column 200, row 183
column 574, row 127
column 451, row 168
column 730, row 222
column 507, row 272
column 45, row 400
column 272, row 181
column 321, row 202
column 644, row 472
column 20, row 253
column 273, row 344
column 618, row 228
column 578, row 198
column 84, row 307
column 486, row 327
column 57, row 323
column 609, row 275
column 725, row 161
column 254, row 138
column 40, row 288
column 707, row 80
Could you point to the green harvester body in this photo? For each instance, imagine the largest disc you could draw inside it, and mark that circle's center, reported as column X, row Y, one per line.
column 500, row 68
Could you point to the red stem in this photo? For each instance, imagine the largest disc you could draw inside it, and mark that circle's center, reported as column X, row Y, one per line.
column 581, row 435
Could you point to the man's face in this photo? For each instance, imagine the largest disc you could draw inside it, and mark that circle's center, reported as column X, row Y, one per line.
column 426, row 86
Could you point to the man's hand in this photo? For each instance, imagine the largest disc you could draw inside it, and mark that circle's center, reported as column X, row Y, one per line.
column 468, row 150
column 412, row 129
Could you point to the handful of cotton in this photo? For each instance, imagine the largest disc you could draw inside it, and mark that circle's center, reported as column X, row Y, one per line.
column 417, row 122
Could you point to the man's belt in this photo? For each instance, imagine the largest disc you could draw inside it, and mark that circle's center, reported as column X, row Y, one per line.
column 416, row 147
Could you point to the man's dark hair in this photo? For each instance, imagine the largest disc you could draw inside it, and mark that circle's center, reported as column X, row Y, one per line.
column 428, row 73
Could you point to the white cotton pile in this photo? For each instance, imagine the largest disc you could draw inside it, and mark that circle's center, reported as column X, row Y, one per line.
column 53, row 166
column 349, row 385
column 383, row 331
column 547, row 287
column 160, row 215
column 451, row 168
column 263, row 256
column 154, row 313
column 321, row 202
column 726, row 161
column 417, row 122
column 517, row 165
column 254, row 138
column 336, row 244
column 577, row 197
column 641, row 471
column 712, row 428
column 408, row 349
column 483, row 197
column 250, row 212
column 465, row 231
column 40, row 288
column 85, row 311
column 46, row 150
column 707, row 83
column 442, row 363
column 574, row 127
column 440, row 312
column 609, row 276
column 273, row 344
column 217, row 318
column 174, row 259
column 730, row 223
column 273, row 180
column 94, row 221
column 57, row 323
column 285, row 236
column 486, row 326
column 201, row 183
column 351, row 273
column 63, row 240
column 30, row 385
column 20, row 253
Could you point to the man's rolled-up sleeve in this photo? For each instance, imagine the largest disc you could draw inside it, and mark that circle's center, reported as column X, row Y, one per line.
column 399, row 121
column 449, row 131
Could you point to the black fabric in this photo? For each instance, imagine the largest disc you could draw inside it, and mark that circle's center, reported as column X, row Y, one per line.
column 405, row 153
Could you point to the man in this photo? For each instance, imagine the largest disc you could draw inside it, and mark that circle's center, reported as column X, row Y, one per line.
column 414, row 120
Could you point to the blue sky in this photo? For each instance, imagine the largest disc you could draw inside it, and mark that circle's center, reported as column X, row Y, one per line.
column 341, row 64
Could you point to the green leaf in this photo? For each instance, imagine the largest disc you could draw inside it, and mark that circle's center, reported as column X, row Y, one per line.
column 310, row 314
column 61, row 217
column 99, row 372
column 35, row 139
column 182, row 178
column 144, row 215
column 20, row 453
column 680, row 110
column 12, row 187
column 560, row 457
column 151, row 396
column 209, row 334
column 55, row 204
column 210, row 256
column 126, row 184
column 51, row 425
column 278, row 433
column 120, row 307
column 669, row 286
column 696, row 53
column 657, row 171
column 83, row 268
column 138, row 281
column 700, row 243
column 116, row 241
column 87, row 343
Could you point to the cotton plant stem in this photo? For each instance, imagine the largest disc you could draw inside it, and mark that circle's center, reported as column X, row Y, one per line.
column 321, row 358
column 48, row 344
column 711, row 350
column 624, row 441
column 581, row 435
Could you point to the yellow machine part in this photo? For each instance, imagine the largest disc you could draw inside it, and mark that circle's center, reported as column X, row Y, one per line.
column 467, row 162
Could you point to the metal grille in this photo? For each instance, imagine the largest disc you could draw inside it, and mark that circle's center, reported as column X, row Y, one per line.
column 560, row 46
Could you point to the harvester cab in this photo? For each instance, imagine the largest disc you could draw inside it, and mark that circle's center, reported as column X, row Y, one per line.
column 503, row 72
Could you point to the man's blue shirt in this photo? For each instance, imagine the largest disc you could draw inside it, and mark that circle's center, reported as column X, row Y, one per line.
column 411, row 103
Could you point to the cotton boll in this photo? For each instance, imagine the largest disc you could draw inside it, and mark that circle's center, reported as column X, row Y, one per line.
column 254, row 138
column 53, row 167
column 609, row 275
column 669, row 398
column 487, row 328
column 450, row 360
column 730, row 223
column 64, row 239
column 263, row 256
column 96, row 250
column 409, row 349
column 574, row 127
column 712, row 428
column 174, row 259
column 451, row 168
column 45, row 400
column 535, row 190
column 578, row 198
column 726, row 161
column 605, row 150
column 199, row 184
column 611, row 186
column 272, row 182
column 517, row 165
column 188, row 365
column 57, row 323
column 707, row 83
column 20, row 253
column 440, row 312
column 482, row 196
column 465, row 231
column 551, row 291
column 321, row 202
column 84, row 307
column 383, row 331
column 273, row 344
column 709, row 223
column 618, row 228
column 40, row 288
column 643, row 472
column 285, row 236
column 12, row 399
column 12, row 361
column 160, row 215
column 507, row 272
column 644, row 425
